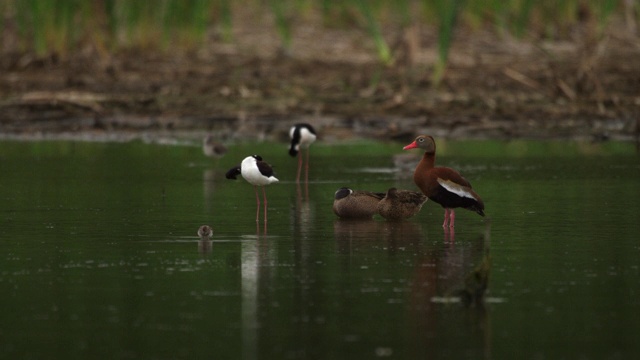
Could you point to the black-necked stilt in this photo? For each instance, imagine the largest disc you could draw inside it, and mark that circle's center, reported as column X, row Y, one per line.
column 257, row 173
column 302, row 135
column 212, row 148
column 401, row 204
column 356, row 204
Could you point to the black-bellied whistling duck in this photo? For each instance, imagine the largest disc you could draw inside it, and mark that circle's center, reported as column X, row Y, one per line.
column 257, row 173
column 442, row 184
column 400, row 204
column 302, row 135
column 356, row 204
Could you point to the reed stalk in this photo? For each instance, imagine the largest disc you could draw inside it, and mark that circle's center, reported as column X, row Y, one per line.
column 605, row 9
column 523, row 16
column 283, row 23
column 373, row 28
column 45, row 26
column 226, row 20
column 448, row 11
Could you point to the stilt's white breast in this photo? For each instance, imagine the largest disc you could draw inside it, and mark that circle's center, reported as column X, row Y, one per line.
column 251, row 173
column 306, row 137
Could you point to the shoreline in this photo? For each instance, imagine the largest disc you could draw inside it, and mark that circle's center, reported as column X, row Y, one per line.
column 335, row 130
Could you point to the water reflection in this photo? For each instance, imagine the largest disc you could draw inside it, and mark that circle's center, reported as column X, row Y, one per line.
column 477, row 281
column 445, row 279
column 301, row 216
column 398, row 234
column 300, row 196
column 411, row 290
column 204, row 246
column 350, row 234
column 209, row 187
column 204, row 243
column 256, row 261
column 250, row 264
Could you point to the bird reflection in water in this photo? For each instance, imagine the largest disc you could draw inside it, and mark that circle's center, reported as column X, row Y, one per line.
column 477, row 280
column 449, row 235
column 454, row 274
column 351, row 234
column 354, row 234
column 204, row 243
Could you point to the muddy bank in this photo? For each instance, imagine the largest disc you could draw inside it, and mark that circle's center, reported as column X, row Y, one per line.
column 494, row 87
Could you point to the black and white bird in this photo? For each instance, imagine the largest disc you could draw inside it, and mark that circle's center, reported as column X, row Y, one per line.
column 257, row 173
column 302, row 135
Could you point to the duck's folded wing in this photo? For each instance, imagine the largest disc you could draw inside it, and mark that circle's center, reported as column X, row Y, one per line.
column 460, row 190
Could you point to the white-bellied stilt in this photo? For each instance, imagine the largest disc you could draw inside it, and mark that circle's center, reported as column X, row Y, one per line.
column 302, row 135
column 257, row 173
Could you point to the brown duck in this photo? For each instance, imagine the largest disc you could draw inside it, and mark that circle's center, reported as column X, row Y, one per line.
column 356, row 204
column 400, row 204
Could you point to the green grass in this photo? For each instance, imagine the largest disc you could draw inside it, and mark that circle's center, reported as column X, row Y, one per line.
column 283, row 22
column 367, row 8
column 63, row 26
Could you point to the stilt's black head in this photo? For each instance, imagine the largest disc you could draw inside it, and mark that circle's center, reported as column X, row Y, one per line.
column 233, row 173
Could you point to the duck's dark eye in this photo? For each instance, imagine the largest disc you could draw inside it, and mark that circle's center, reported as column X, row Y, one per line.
column 421, row 139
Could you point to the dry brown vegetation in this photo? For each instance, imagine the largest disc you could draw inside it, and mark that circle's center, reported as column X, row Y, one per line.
column 494, row 85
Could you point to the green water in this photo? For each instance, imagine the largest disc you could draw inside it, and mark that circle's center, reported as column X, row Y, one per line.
column 100, row 257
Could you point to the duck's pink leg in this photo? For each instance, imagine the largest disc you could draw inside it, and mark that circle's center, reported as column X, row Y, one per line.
column 450, row 234
column 264, row 194
column 446, row 218
column 452, row 218
column 257, row 203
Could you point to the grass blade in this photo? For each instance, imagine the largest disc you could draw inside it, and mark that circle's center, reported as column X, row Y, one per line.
column 373, row 27
column 448, row 10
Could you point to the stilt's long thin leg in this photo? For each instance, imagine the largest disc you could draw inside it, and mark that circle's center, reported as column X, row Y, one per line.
column 264, row 194
column 306, row 167
column 257, row 204
column 299, row 165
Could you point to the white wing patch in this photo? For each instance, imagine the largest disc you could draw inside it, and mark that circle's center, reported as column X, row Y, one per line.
column 455, row 188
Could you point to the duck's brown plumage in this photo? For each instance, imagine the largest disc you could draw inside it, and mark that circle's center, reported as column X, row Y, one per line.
column 212, row 148
column 356, row 204
column 400, row 204
column 204, row 232
column 443, row 185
